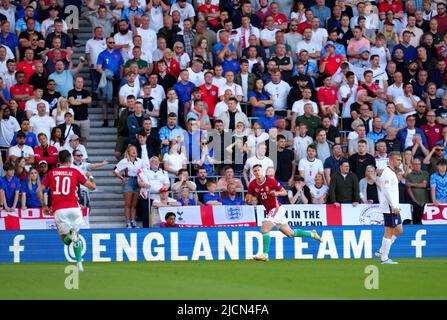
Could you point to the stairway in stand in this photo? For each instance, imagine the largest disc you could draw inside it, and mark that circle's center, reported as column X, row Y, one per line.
column 107, row 204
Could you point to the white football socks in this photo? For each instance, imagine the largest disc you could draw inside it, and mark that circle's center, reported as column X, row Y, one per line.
column 386, row 246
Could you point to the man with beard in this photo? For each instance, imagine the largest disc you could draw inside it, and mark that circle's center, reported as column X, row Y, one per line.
column 123, row 40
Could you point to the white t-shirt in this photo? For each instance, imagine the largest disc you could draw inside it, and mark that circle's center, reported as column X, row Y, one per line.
column 94, row 48
column 310, row 47
column 319, row 35
column 158, row 93
column 298, row 107
column 219, row 82
column 409, row 139
column 184, row 61
column 187, row 12
column 31, row 105
column 198, row 78
column 27, row 152
column 253, row 141
column 318, row 193
column 381, row 52
column 310, row 168
column 127, row 90
column 268, row 35
column 248, row 33
column 265, row 163
column 406, row 102
column 222, row 107
column 42, row 124
column 174, row 161
column 236, row 89
column 300, row 145
column 342, row 94
column 149, row 37
column 395, row 91
column 124, row 39
column 7, row 130
column 156, row 21
column 279, row 93
column 379, row 74
column 129, row 168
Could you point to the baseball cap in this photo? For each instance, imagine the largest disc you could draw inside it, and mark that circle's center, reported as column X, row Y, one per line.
column 362, row 50
column 42, row 162
column 163, row 189
column 329, row 43
column 74, row 137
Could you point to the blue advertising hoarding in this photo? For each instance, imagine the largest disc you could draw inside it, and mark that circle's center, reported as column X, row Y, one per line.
column 238, row 243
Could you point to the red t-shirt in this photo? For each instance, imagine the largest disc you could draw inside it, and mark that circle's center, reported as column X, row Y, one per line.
column 395, row 6
column 27, row 68
column 25, row 89
column 433, row 134
column 302, row 26
column 327, row 96
column 211, row 9
column 332, row 64
column 210, row 97
column 263, row 193
column 279, row 19
column 63, row 184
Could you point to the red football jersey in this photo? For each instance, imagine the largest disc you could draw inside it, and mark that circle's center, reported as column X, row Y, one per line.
column 63, row 184
column 263, row 192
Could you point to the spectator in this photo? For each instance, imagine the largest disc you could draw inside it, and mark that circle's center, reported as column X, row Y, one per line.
column 50, row 94
column 9, row 188
column 258, row 158
column 309, row 119
column 438, row 184
column 169, row 220
column 322, row 145
column 332, row 163
column 269, row 119
column 405, row 135
column 319, row 191
column 184, row 180
column 299, row 193
column 344, row 186
column 122, row 130
column 18, row 114
column 434, row 156
column 31, row 104
column 21, row 92
column 45, row 152
column 8, row 127
column 301, row 142
column 28, row 189
column 259, row 99
column 80, row 100
column 309, row 167
column 165, row 200
column 42, row 122
column 278, row 90
column 61, row 109
column 38, row 79
column 232, row 199
column 185, row 198
column 175, row 159
column 286, row 166
column 21, row 150
column 31, row 138
column 360, row 160
column 432, row 131
column 381, row 156
column 56, row 138
column 233, row 116
column 68, row 128
column 416, row 184
column 74, row 144
column 332, row 133
column 377, row 131
column 361, row 135
column 368, row 186
column 212, row 198
column 127, row 170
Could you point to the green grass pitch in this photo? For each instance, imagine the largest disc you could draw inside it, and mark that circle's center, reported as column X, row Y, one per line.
column 280, row 279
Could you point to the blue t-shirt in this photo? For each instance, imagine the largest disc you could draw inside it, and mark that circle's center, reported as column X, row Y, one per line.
column 230, row 65
column 440, row 183
column 32, row 200
column 11, row 41
column 268, row 123
column 219, row 46
column 184, row 91
column 6, row 94
column 238, row 201
column 191, row 202
column 111, row 61
column 10, row 187
column 31, row 140
column 398, row 120
column 258, row 112
column 209, row 197
column 64, row 81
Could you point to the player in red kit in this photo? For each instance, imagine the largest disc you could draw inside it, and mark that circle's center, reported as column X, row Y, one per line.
column 63, row 184
column 267, row 190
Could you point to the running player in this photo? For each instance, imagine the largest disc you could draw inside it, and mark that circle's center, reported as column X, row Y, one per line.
column 63, row 184
column 267, row 190
column 389, row 205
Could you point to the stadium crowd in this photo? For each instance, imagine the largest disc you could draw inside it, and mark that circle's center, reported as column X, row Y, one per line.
column 317, row 92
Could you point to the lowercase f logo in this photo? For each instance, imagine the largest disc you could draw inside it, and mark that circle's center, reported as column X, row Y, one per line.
column 72, row 280
column 372, row 280
column 16, row 248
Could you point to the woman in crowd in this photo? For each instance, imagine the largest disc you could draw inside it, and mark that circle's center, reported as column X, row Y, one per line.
column 368, row 186
column 259, row 99
column 204, row 52
column 181, row 56
column 407, row 160
column 20, row 169
column 126, row 170
column 174, row 160
column 29, row 187
column 58, row 113
column 319, row 190
column 57, row 140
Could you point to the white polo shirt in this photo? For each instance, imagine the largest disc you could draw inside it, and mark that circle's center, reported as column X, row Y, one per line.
column 42, row 124
column 236, row 89
column 310, row 168
column 31, row 105
column 279, row 93
column 93, row 48
column 298, row 107
column 7, row 130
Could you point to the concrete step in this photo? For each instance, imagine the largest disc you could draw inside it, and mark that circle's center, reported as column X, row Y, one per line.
column 102, row 145
column 99, row 130
column 107, row 219
column 108, row 211
column 96, row 158
column 105, row 196
column 108, row 225
column 108, row 181
column 111, row 188
column 109, row 203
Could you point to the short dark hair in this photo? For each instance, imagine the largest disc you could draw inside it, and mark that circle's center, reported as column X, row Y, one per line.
column 280, row 137
column 8, row 166
column 169, row 214
column 362, row 141
column 64, row 156
column 256, row 165
column 441, row 162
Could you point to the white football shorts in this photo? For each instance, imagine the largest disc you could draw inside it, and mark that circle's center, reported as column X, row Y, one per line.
column 67, row 219
column 277, row 216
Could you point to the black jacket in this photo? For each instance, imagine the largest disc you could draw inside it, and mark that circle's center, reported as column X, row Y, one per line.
column 163, row 119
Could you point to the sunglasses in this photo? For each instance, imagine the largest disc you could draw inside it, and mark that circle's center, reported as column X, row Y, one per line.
column 110, row 42
column 78, row 155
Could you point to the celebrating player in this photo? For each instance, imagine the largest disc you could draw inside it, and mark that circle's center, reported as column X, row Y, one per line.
column 63, row 184
column 389, row 205
column 267, row 190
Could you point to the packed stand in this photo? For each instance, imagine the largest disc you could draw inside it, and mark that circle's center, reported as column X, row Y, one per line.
column 317, row 92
